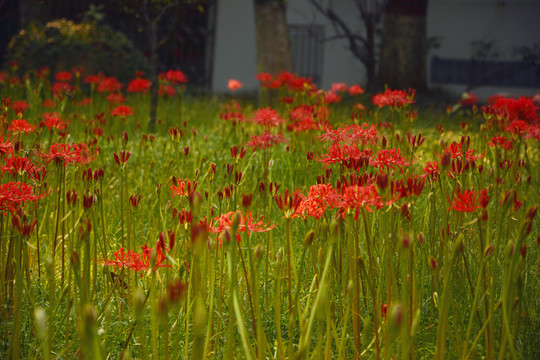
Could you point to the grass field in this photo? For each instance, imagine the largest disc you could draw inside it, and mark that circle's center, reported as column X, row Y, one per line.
column 323, row 225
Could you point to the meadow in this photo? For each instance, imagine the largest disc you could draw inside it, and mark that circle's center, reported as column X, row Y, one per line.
column 310, row 224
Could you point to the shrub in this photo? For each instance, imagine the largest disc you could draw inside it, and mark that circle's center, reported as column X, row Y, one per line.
column 62, row 44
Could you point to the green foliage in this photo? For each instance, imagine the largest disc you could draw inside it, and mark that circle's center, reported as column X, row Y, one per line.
column 62, row 45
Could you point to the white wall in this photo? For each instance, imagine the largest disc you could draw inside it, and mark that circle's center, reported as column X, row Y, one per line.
column 510, row 23
column 235, row 54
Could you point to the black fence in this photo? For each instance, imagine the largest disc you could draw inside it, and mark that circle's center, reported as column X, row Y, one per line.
column 307, row 50
column 476, row 73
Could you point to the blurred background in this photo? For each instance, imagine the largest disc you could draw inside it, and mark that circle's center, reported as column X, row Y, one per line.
column 485, row 46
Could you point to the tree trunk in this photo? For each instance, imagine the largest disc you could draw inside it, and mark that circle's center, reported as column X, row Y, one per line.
column 274, row 52
column 152, row 34
column 403, row 51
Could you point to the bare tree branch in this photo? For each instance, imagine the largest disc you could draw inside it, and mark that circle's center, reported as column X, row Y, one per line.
column 349, row 35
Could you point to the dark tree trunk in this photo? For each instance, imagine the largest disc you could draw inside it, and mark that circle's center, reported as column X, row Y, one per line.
column 273, row 39
column 274, row 52
column 152, row 37
column 403, row 46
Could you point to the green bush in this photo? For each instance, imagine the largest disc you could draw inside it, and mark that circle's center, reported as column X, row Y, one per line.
column 62, row 45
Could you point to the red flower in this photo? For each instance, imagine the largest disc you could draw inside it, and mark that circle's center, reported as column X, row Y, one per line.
column 122, row 111
column 75, row 153
column 139, row 86
column 18, row 165
column 321, row 196
column 265, row 140
column 19, row 107
column 432, row 171
column 345, row 155
column 501, row 141
column 234, row 84
column 175, row 77
column 135, row 261
column 390, row 158
column 469, row 200
column 356, row 197
column 331, row 97
column 6, row 147
column 468, row 99
column 13, row 195
column 394, row 98
column 52, row 120
column 60, row 88
column 245, row 224
column 289, row 202
column 267, row 117
column 123, row 158
column 48, row 103
column 21, row 126
column 185, row 187
column 116, row 98
column 109, row 84
column 63, row 76
column 356, row 90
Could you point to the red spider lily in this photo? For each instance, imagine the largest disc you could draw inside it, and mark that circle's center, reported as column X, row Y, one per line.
column 135, row 261
column 500, row 141
column 85, row 102
column 289, row 202
column 63, row 76
column 331, row 98
column 356, row 90
column 108, row 84
column 513, row 109
column 267, row 117
column 468, row 99
column 139, row 86
column 265, row 140
column 185, row 188
column 390, row 158
column 356, row 197
column 6, row 146
column 19, row 107
column 469, row 200
column 92, row 79
column 18, row 165
column 245, row 223
column 134, row 201
column 123, row 158
column 394, row 98
column 264, row 78
column 413, row 187
column 13, row 195
column 320, row 198
column 122, row 111
column 304, row 118
column 432, row 171
column 174, row 77
column 339, row 87
column 67, row 154
column 48, row 103
column 344, row 155
column 456, row 152
column 166, row 90
column 234, row 84
column 21, row 126
column 53, row 121
column 352, row 134
column 18, row 221
column 116, row 98
column 60, row 88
